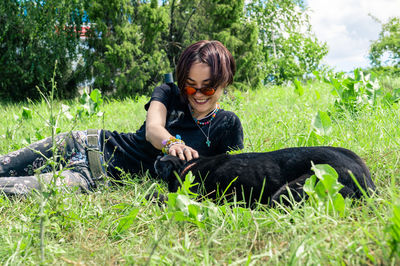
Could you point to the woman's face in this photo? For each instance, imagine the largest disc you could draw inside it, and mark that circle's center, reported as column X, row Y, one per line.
column 199, row 77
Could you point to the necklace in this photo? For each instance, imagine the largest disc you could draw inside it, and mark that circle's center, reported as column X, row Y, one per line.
column 212, row 115
column 208, row 122
column 208, row 142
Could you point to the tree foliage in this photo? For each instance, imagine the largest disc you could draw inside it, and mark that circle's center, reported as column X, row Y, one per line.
column 33, row 36
column 124, row 54
column 289, row 47
column 131, row 44
column 131, row 59
column 222, row 20
column 388, row 44
column 238, row 34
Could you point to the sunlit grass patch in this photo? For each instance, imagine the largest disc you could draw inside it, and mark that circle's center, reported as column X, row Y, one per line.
column 117, row 225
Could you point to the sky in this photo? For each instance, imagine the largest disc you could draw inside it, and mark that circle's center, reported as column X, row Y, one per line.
column 347, row 28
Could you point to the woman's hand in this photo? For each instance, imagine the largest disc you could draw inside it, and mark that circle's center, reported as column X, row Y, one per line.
column 156, row 132
column 183, row 152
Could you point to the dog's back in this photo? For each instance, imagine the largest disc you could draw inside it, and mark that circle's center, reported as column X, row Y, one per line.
column 298, row 160
column 270, row 172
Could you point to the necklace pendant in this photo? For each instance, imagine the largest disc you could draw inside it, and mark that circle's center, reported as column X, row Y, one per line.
column 208, row 142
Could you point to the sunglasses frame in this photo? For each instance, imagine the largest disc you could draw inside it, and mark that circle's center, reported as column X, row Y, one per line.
column 202, row 90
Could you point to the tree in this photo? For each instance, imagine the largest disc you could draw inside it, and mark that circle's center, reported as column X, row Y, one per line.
column 388, row 44
column 176, row 38
column 227, row 23
column 124, row 55
column 222, row 20
column 132, row 43
column 33, row 36
column 289, row 47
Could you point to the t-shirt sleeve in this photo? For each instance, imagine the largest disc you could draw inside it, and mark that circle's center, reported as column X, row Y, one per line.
column 162, row 94
column 232, row 136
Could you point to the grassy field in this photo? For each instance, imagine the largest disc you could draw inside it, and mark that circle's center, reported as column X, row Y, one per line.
column 118, row 226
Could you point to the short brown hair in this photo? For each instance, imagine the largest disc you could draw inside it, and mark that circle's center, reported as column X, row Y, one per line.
column 212, row 53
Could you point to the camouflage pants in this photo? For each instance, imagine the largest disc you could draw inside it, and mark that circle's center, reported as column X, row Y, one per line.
column 26, row 169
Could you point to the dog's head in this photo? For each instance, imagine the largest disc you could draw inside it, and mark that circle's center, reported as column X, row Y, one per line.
column 166, row 165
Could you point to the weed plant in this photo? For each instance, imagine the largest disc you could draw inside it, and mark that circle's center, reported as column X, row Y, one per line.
column 118, row 226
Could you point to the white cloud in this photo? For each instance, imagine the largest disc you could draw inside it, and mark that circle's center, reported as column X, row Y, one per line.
column 348, row 29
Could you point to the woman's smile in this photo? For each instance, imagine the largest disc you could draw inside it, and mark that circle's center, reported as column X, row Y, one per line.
column 201, row 101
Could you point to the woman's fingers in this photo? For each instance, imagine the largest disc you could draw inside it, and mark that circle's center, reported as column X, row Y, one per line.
column 195, row 154
column 177, row 150
column 172, row 152
column 181, row 155
column 183, row 152
column 188, row 153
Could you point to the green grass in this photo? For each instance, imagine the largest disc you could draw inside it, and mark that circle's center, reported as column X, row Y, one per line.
column 87, row 228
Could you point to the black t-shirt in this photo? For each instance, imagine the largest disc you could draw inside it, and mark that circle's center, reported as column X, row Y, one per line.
column 131, row 153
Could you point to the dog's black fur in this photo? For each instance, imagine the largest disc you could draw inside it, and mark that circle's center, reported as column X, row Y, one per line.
column 282, row 170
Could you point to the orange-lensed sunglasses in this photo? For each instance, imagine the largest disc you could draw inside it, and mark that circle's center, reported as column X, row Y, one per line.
column 206, row 90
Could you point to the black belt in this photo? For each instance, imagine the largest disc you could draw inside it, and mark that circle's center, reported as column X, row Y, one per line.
column 94, row 154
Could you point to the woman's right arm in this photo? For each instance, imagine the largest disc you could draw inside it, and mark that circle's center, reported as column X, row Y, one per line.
column 156, row 132
column 155, row 124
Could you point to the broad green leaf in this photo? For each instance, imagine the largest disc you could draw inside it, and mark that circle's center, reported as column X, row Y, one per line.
column 314, row 139
column 95, row 95
column 339, row 204
column 298, row 88
column 324, row 169
column 38, row 134
column 321, row 191
column 172, row 200
column 195, row 212
column 182, row 203
column 322, row 123
column 328, row 177
column 177, row 216
column 318, row 95
column 26, row 113
column 187, row 184
column 358, row 74
column 325, row 193
column 309, row 185
column 126, row 222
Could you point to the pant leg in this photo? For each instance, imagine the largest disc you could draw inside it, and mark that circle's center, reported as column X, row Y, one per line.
column 67, row 180
column 71, row 155
column 25, row 161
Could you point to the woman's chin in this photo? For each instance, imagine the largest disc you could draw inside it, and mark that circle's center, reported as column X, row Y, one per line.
column 201, row 109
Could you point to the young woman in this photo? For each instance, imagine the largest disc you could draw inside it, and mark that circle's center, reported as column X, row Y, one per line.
column 184, row 121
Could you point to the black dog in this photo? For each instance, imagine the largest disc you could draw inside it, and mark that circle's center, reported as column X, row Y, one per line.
column 270, row 174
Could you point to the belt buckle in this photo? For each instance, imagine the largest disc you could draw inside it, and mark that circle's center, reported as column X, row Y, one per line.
column 93, row 140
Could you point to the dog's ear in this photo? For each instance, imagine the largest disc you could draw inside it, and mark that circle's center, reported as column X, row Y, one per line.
column 166, row 165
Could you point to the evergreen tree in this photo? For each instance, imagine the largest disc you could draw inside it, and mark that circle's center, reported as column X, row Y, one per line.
column 124, row 55
column 221, row 20
column 131, row 44
column 33, row 36
column 227, row 23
